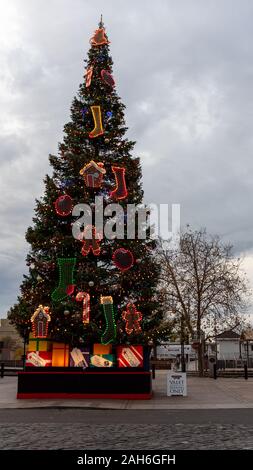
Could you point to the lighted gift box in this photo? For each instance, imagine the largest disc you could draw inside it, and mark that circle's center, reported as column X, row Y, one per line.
column 129, row 356
column 39, row 344
column 60, row 356
column 105, row 360
column 99, row 348
column 38, row 359
column 79, row 357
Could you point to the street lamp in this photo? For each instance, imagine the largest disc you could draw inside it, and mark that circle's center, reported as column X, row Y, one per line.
column 26, row 341
column 182, row 345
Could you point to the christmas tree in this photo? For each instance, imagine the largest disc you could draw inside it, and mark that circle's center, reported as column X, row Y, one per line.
column 97, row 289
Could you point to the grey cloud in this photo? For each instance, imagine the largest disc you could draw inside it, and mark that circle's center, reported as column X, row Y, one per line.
column 184, row 71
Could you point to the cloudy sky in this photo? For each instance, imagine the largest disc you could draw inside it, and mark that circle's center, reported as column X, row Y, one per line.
column 184, row 69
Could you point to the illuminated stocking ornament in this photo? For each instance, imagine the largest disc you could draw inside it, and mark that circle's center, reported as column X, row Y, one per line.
column 107, row 78
column 99, row 38
column 63, row 205
column 40, row 320
column 98, row 127
column 66, row 283
column 109, row 334
column 88, row 76
column 123, row 259
column 132, row 318
column 85, row 298
column 120, row 192
column 90, row 242
column 93, row 174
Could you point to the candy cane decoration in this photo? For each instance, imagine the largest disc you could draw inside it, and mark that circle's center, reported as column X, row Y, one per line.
column 85, row 297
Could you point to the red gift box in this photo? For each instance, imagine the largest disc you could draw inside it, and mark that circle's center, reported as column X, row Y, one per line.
column 39, row 359
column 130, row 356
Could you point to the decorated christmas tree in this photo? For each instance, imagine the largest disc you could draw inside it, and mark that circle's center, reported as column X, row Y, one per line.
column 86, row 287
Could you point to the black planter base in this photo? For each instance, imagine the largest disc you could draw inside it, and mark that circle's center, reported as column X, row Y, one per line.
column 68, row 384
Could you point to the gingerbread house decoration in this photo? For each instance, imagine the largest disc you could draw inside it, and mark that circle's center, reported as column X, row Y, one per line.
column 93, row 174
column 40, row 320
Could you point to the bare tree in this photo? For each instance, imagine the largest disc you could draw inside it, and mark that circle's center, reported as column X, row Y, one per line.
column 203, row 285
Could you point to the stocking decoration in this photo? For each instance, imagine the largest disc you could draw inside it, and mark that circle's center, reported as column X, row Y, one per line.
column 132, row 318
column 85, row 298
column 90, row 244
column 40, row 320
column 99, row 38
column 66, row 282
column 107, row 78
column 88, row 76
column 120, row 192
column 98, row 127
column 109, row 334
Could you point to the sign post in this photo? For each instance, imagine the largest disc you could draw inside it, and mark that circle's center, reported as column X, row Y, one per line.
column 176, row 384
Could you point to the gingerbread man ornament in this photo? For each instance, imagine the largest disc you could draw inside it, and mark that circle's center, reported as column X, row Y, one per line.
column 132, row 318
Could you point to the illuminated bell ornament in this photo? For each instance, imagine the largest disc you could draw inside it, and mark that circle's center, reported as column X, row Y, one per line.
column 40, row 320
column 120, row 192
column 90, row 242
column 64, row 205
column 123, row 259
column 93, row 174
column 98, row 126
column 88, row 76
column 109, row 334
column 132, row 318
column 99, row 38
column 107, row 78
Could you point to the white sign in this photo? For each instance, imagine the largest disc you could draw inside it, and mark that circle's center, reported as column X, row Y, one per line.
column 166, row 351
column 176, row 384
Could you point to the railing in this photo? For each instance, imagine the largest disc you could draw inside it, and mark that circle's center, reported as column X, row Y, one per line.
column 7, row 370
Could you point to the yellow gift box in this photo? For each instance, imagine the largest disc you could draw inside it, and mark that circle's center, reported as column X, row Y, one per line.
column 101, row 349
column 39, row 344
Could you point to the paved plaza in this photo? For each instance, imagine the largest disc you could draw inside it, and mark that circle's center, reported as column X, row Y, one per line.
column 202, row 393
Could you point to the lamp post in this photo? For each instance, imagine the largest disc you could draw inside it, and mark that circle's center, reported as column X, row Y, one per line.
column 182, row 345
column 26, row 337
